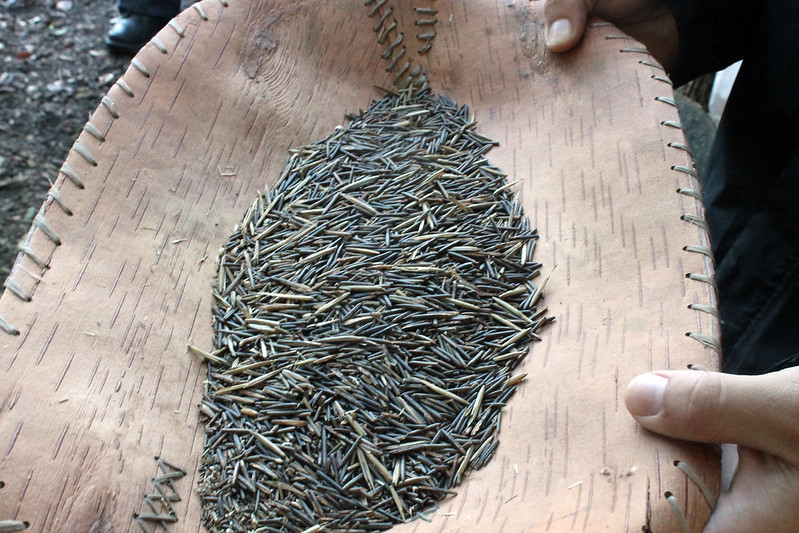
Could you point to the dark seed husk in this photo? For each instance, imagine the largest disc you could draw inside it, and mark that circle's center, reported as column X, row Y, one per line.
column 370, row 310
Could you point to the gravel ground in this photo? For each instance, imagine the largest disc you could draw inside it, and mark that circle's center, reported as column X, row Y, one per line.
column 54, row 69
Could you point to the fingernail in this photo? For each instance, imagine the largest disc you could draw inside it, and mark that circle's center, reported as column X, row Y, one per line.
column 645, row 394
column 559, row 32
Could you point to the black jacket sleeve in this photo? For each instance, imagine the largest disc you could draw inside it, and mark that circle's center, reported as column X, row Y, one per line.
column 751, row 187
column 713, row 34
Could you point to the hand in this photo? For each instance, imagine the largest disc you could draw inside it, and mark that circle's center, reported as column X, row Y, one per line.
column 759, row 413
column 649, row 21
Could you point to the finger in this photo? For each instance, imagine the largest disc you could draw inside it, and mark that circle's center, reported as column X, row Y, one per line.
column 764, row 496
column 761, row 412
column 565, row 23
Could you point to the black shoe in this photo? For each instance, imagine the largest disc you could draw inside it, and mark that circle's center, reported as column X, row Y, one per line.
column 132, row 31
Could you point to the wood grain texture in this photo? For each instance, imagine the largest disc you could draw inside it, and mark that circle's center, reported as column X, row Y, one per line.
column 98, row 379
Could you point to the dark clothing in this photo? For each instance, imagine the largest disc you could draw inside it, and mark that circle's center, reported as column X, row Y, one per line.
column 163, row 9
column 751, row 188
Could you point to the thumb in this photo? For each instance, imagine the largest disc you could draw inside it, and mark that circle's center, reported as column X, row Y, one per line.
column 761, row 412
column 565, row 23
column 764, row 496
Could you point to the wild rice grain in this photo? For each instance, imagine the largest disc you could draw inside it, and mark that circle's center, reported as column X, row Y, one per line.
column 369, row 312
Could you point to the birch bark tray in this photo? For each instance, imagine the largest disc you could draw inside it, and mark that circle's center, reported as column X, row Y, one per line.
column 114, row 279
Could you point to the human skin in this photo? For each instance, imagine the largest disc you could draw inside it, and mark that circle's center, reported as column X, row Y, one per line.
column 759, row 414
column 648, row 21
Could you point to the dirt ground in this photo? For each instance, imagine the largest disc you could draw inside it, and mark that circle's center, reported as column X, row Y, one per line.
column 54, row 69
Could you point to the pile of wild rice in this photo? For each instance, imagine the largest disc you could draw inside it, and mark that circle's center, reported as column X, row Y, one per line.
column 370, row 311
